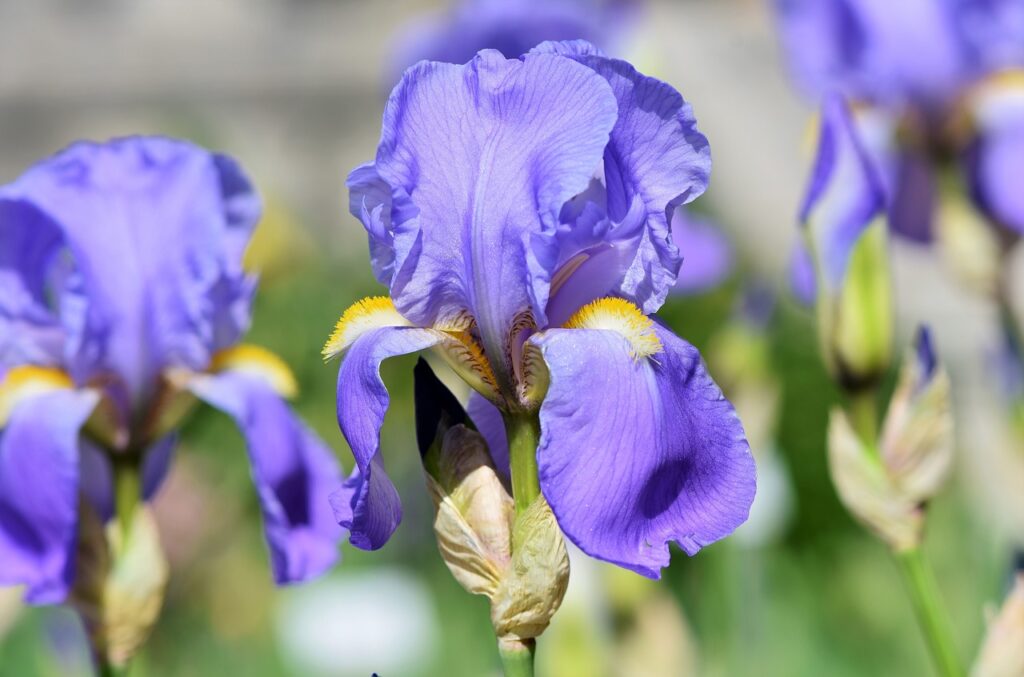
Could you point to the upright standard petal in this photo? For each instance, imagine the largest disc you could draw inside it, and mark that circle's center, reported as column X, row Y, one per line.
column 293, row 470
column 156, row 229
column 656, row 159
column 39, row 493
column 843, row 197
column 30, row 332
column 483, row 157
column 368, row 504
column 640, row 451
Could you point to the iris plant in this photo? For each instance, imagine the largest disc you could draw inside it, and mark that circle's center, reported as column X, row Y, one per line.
column 519, row 212
column 123, row 303
column 937, row 90
column 885, row 475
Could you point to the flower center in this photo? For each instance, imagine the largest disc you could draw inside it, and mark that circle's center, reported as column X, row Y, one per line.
column 619, row 315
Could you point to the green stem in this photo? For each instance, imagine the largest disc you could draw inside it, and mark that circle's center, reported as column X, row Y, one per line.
column 106, row 669
column 863, row 411
column 127, row 491
column 921, row 585
column 523, row 433
column 517, row 657
column 934, row 622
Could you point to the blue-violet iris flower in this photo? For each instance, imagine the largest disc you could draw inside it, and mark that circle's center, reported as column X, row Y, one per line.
column 935, row 83
column 122, row 300
column 518, row 211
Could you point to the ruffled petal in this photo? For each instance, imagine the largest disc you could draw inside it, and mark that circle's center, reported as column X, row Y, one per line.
column 655, row 159
column 39, row 493
column 635, row 453
column 293, row 470
column 368, row 504
column 30, row 332
column 156, row 229
column 482, row 157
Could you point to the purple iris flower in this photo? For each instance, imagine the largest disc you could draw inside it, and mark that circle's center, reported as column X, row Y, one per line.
column 913, row 69
column 518, row 211
column 844, row 196
column 122, row 300
column 706, row 251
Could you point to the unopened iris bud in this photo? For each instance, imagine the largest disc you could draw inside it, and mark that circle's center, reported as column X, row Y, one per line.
column 120, row 583
column 845, row 234
column 1002, row 653
column 970, row 247
column 519, row 563
column 887, row 485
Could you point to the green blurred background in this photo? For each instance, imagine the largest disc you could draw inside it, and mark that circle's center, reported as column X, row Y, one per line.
column 295, row 91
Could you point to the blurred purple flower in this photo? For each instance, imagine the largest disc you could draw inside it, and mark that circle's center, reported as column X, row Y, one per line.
column 915, row 65
column 123, row 290
column 518, row 212
column 512, row 27
column 706, row 251
column 843, row 197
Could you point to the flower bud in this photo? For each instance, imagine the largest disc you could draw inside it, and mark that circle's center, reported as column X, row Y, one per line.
column 1002, row 653
column 844, row 228
column 535, row 581
column 474, row 513
column 858, row 329
column 887, row 485
column 518, row 562
column 969, row 246
column 120, row 583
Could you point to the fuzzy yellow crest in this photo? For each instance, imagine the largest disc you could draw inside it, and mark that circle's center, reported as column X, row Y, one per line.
column 619, row 315
column 26, row 381
column 259, row 361
column 362, row 316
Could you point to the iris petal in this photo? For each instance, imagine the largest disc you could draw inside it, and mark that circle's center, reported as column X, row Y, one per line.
column 655, row 160
column 480, row 159
column 368, row 504
column 293, row 470
column 639, row 452
column 155, row 229
column 843, row 197
column 39, row 493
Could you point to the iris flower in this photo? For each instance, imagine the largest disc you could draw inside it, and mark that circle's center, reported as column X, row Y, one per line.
column 514, row 27
column 518, row 211
column 122, row 301
column 936, row 83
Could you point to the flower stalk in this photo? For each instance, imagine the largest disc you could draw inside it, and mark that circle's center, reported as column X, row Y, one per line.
column 917, row 574
column 931, row 616
column 523, row 432
column 517, row 657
